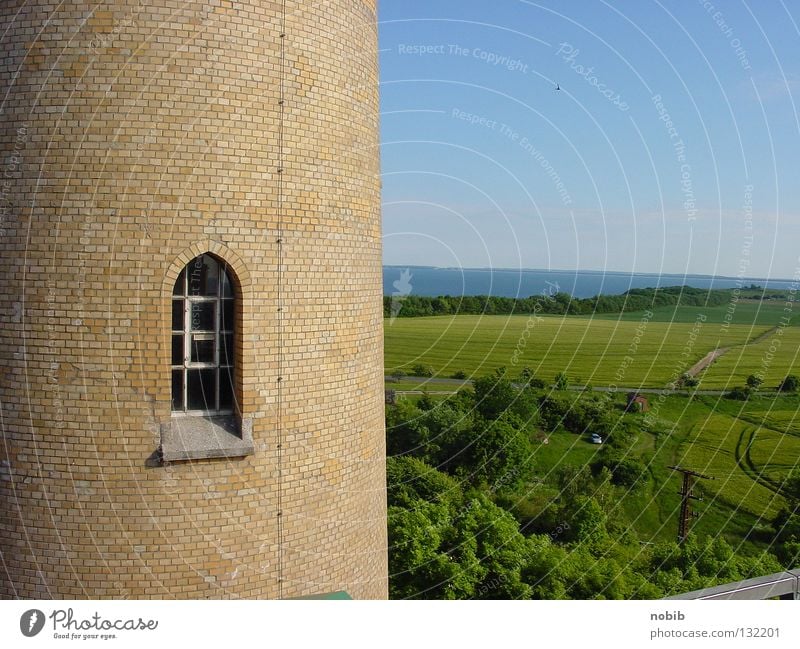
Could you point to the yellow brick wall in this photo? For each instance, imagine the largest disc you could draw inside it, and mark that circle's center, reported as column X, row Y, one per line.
column 135, row 137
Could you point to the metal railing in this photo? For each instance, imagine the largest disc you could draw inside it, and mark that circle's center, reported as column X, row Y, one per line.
column 783, row 585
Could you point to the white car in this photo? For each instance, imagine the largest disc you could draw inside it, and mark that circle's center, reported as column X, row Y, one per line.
column 596, row 439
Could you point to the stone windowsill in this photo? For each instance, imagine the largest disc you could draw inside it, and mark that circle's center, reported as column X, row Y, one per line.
column 201, row 438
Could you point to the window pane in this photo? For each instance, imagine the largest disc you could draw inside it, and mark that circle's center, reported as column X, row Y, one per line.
column 226, row 389
column 177, row 315
column 226, row 353
column 203, row 287
column 203, row 276
column 177, row 349
column 210, row 275
column 203, row 349
column 227, row 289
column 177, row 389
column 180, row 284
column 203, row 316
column 195, row 276
column 201, row 390
column 226, row 318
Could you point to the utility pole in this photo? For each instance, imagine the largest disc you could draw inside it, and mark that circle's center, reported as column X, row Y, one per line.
column 686, row 498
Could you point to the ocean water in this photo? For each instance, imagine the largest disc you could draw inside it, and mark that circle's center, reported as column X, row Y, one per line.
column 426, row 281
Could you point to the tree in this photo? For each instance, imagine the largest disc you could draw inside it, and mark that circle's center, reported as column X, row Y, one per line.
column 419, row 561
column 790, row 384
column 628, row 472
column 447, row 545
column 787, row 523
column 700, row 563
column 738, row 394
column 791, row 486
column 572, row 481
column 544, row 571
column 553, row 410
column 496, row 395
column 589, row 523
column 754, row 382
column 409, row 479
column 404, row 431
column 496, row 454
column 562, row 381
column 430, row 434
column 500, row 549
column 529, row 379
column 422, row 370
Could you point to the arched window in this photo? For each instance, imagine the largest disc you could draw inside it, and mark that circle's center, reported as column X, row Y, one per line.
column 203, row 339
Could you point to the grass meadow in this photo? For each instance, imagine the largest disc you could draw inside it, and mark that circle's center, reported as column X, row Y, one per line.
column 598, row 352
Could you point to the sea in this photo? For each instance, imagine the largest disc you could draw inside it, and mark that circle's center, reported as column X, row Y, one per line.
column 431, row 282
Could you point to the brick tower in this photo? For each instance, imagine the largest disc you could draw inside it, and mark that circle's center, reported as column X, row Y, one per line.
column 190, row 298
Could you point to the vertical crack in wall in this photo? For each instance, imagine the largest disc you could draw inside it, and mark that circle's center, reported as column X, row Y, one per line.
column 281, row 314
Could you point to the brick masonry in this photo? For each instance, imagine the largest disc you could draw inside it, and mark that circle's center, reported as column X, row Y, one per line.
column 135, row 137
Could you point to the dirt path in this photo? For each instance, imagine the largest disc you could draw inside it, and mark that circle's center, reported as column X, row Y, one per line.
column 761, row 337
column 709, row 358
column 704, row 362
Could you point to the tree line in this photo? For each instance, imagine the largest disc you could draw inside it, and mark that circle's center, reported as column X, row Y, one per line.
column 637, row 299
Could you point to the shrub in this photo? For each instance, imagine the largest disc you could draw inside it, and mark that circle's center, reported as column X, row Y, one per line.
column 754, row 382
column 689, row 381
column 426, row 402
column 460, row 374
column 496, row 454
column 738, row 394
column 422, row 370
column 627, row 472
column 791, row 486
column 790, row 384
column 528, row 379
column 496, row 396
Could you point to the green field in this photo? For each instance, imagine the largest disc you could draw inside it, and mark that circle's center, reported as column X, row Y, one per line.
column 772, row 358
column 748, row 464
column 733, row 442
column 591, row 351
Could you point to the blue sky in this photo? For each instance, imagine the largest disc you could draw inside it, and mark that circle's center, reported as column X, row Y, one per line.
column 672, row 146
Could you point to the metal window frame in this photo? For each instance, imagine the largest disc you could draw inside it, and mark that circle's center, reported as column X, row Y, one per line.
column 218, row 336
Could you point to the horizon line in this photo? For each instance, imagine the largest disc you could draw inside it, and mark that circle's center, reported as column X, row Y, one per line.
column 584, row 270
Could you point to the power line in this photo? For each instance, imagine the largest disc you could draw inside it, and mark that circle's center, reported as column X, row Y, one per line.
column 686, row 498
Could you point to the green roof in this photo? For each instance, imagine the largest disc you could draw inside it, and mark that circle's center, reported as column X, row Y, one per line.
column 339, row 594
